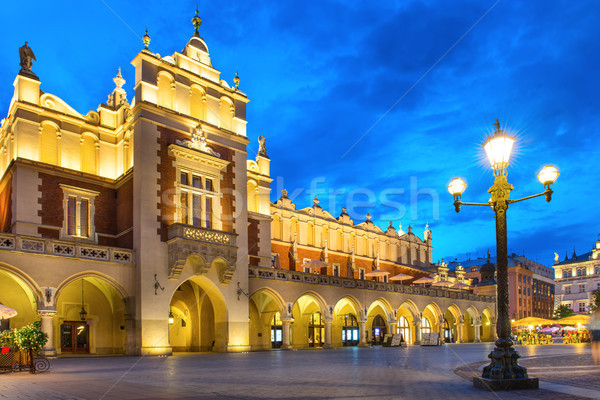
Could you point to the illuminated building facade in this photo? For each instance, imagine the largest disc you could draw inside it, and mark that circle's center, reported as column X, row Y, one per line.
column 577, row 279
column 143, row 228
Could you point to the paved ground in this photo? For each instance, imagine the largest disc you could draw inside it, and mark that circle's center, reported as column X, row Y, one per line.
column 565, row 373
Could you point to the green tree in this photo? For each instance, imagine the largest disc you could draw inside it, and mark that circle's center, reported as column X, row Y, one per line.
column 595, row 304
column 563, row 311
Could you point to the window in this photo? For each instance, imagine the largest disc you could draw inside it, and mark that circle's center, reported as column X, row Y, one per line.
column 569, row 305
column 78, row 206
column 425, row 325
column 336, row 270
column 567, row 289
column 404, row 329
column 361, row 273
column 581, row 288
column 596, row 270
column 196, row 199
column 581, row 307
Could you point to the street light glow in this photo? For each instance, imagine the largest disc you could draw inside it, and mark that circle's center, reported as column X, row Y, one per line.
column 498, row 149
column 548, row 175
column 456, row 187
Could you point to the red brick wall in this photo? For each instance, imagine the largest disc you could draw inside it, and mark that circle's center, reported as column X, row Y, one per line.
column 124, row 214
column 51, row 202
column 6, row 203
column 167, row 179
column 253, row 240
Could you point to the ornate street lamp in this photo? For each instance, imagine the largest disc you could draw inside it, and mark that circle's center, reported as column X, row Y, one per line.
column 503, row 372
column 171, row 317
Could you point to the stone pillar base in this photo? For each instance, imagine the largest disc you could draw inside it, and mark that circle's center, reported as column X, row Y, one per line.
column 48, row 353
column 286, row 347
column 328, row 346
column 238, row 348
column 506, row 384
column 363, row 345
column 156, row 351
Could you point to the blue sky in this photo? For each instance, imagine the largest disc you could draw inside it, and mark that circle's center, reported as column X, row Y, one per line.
column 374, row 106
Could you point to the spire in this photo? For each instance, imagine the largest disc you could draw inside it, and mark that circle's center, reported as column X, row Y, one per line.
column 236, row 81
column 196, row 21
column 574, row 257
column 146, row 39
column 118, row 80
column 488, row 252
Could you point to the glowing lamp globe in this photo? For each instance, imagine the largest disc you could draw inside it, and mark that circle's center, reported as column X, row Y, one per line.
column 456, row 187
column 548, row 175
column 498, row 148
column 171, row 317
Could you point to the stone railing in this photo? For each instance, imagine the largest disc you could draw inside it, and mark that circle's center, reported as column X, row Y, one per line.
column 305, row 277
column 65, row 249
column 201, row 234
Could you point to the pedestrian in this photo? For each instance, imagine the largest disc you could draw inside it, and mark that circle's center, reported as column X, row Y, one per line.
column 594, row 326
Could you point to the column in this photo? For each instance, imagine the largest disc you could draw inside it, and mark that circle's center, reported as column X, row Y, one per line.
column 459, row 331
column 417, row 324
column 362, row 331
column 494, row 333
column 47, row 317
column 394, row 327
column 477, row 328
column 285, row 328
column 328, row 344
column 441, row 330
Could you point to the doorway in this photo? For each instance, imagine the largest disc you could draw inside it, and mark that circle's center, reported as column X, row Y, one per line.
column 74, row 337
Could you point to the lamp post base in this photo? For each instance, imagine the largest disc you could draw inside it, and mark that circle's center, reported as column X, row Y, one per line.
column 506, row 384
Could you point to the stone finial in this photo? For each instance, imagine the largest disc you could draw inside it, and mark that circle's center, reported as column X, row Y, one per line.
column 196, row 21
column 146, row 39
column 409, row 229
column 316, row 201
column 118, row 80
column 369, row 217
column 236, row 81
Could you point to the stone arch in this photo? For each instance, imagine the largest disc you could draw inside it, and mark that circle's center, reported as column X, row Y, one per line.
column 200, row 316
column 226, row 112
column 49, row 142
column 452, row 316
column 377, row 324
column 165, row 83
column 224, row 269
column 25, row 281
column 385, row 306
column 309, row 312
column 107, row 308
column 198, row 102
column 264, row 305
column 322, row 304
column 345, row 322
column 487, row 325
column 20, row 292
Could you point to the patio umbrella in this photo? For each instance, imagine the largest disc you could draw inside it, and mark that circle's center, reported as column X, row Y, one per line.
column 315, row 265
column 460, row 285
column 423, row 280
column 535, row 321
column 574, row 320
column 550, row 329
column 401, row 277
column 442, row 283
column 376, row 272
column 7, row 312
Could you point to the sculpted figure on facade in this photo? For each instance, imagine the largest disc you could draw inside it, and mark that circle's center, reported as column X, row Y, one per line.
column 262, row 148
column 27, row 58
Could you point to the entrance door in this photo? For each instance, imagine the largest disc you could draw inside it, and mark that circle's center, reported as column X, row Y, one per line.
column 379, row 330
column 74, row 337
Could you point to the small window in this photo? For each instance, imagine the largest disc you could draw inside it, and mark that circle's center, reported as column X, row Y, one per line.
column 196, row 182
column 581, row 288
column 209, row 185
column 336, row 270
column 361, row 273
column 581, row 307
column 183, row 178
column 567, row 289
column 78, row 207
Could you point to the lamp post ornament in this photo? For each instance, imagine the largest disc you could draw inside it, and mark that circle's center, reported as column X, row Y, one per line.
column 503, row 372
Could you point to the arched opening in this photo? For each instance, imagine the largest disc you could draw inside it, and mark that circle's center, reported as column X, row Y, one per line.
column 350, row 334
column 316, row 330
column 487, row 332
column 49, row 144
column 17, row 294
column 308, row 327
column 199, row 317
column 165, row 90
column 405, row 316
column 425, row 326
column 266, row 327
column 451, row 317
column 404, row 329
column 345, row 327
column 378, row 330
column 197, row 103
column 88, row 154
column 226, row 111
column 90, row 317
column 468, row 328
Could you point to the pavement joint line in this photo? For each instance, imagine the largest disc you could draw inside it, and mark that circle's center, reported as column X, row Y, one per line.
column 569, row 389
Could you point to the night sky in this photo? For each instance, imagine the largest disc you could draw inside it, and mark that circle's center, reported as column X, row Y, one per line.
column 371, row 105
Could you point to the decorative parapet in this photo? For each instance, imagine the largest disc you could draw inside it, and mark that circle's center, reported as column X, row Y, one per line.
column 65, row 249
column 305, row 277
column 200, row 248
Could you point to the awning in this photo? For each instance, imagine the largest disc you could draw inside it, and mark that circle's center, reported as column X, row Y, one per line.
column 401, row 277
column 7, row 312
column 376, row 272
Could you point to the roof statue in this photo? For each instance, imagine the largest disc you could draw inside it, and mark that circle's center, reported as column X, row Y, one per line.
column 316, row 201
column 146, row 40
column 27, row 58
column 262, row 148
column 555, row 257
column 196, row 21
column 198, row 142
column 427, row 233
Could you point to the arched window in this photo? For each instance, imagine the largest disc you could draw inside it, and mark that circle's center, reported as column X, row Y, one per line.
column 226, row 111
column 252, row 196
column 276, row 227
column 339, row 240
column 310, row 234
column 89, row 146
column 350, row 336
column 324, row 236
column 365, row 246
column 404, row 329
column 166, row 87
column 197, row 103
column 276, row 331
column 49, row 144
column 316, row 330
column 425, row 325
column 294, row 230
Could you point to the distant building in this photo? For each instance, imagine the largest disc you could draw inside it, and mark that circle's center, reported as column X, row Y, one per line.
column 577, row 278
column 530, row 284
